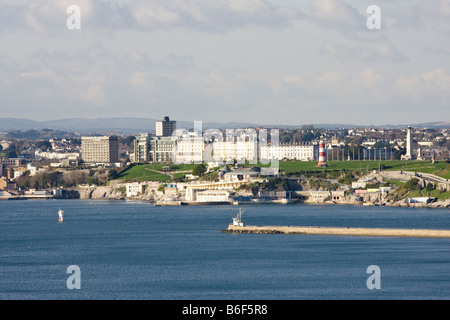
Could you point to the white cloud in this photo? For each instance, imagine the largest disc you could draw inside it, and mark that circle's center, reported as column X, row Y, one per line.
column 335, row 14
column 152, row 15
column 212, row 16
column 435, row 84
column 437, row 79
column 370, row 52
column 141, row 79
column 369, row 79
column 327, row 79
column 279, row 61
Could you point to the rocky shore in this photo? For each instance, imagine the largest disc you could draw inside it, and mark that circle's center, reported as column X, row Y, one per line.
column 154, row 195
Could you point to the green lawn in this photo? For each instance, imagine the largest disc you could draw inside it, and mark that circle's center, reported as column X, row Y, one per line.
column 143, row 172
column 300, row 167
column 139, row 172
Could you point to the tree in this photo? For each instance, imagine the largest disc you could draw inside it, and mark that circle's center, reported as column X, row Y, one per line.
column 412, row 184
column 398, row 154
column 44, row 145
column 11, row 151
column 430, row 186
column 113, row 174
column 199, row 170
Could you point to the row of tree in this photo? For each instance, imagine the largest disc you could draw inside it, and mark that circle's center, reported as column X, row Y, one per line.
column 52, row 179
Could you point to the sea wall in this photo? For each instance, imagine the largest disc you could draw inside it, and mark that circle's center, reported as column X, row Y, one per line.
column 336, row 231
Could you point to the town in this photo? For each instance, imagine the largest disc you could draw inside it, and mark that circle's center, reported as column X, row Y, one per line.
column 178, row 166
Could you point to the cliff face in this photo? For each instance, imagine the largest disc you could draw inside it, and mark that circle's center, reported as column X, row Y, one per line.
column 100, row 193
column 113, row 193
column 383, row 200
column 152, row 194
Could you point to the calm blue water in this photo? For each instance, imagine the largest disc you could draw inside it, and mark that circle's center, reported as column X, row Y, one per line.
column 132, row 250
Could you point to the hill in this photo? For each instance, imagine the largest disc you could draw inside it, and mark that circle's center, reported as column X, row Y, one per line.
column 130, row 125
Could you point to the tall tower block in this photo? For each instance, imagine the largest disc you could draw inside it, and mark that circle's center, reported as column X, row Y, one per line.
column 165, row 128
column 322, row 154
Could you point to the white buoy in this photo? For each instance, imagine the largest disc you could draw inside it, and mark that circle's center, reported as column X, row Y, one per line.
column 60, row 214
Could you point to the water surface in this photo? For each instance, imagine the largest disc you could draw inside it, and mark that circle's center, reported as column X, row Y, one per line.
column 132, row 250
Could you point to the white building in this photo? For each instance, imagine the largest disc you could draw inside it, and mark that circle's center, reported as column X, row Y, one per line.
column 241, row 151
column 244, row 174
column 189, row 149
column 103, row 149
column 55, row 155
column 142, row 148
column 212, row 196
column 134, row 189
column 302, row 152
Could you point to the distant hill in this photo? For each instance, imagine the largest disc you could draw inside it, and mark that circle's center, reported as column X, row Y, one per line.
column 137, row 125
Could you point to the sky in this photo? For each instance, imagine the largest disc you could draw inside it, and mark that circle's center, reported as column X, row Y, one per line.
column 286, row 62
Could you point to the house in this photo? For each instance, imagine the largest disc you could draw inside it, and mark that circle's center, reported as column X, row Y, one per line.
column 363, row 182
column 6, row 184
column 244, row 174
column 134, row 189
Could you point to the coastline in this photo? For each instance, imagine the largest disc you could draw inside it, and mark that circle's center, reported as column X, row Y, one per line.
column 160, row 202
column 152, row 194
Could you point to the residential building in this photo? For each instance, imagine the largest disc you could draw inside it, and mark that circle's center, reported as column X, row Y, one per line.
column 100, row 150
column 161, row 149
column 55, row 155
column 19, row 171
column 6, row 184
column 142, row 148
column 134, row 189
column 189, row 148
column 165, row 128
column 13, row 162
column 302, row 152
column 239, row 150
column 244, row 174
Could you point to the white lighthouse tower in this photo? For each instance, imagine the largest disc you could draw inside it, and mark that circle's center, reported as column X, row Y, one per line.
column 409, row 152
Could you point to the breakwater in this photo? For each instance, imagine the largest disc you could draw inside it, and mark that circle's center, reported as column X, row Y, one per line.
column 339, row 231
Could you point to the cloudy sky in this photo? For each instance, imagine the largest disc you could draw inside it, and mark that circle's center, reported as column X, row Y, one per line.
column 261, row 61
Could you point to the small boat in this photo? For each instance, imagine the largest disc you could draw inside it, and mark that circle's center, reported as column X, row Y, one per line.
column 60, row 214
column 238, row 220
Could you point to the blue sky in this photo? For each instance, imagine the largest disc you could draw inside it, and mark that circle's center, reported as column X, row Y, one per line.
column 260, row 61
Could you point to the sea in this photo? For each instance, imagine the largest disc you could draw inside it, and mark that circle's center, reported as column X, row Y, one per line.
column 132, row 250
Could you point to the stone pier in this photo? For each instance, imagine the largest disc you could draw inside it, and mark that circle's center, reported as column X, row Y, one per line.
column 339, row 231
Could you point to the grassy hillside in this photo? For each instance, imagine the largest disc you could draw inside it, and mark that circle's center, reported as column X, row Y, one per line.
column 299, row 167
column 146, row 172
